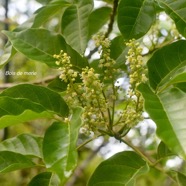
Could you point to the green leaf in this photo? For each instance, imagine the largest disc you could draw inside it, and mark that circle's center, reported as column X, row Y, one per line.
column 118, row 51
column 44, row 13
column 180, row 78
column 25, row 144
column 135, row 17
column 59, row 146
column 97, row 19
column 167, row 109
column 24, row 116
column 119, row 170
column 46, row 46
column 9, row 52
column 10, row 161
column 42, row 179
column 163, row 151
column 42, row 96
column 176, row 10
column 181, row 179
column 181, row 86
column 58, row 85
column 20, row 111
column 75, row 24
column 165, row 62
column 117, row 46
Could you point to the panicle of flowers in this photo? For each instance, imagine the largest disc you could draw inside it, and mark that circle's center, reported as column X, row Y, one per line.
column 94, row 102
column 68, row 75
column 67, row 72
column 137, row 74
column 87, row 94
column 105, row 62
column 136, row 65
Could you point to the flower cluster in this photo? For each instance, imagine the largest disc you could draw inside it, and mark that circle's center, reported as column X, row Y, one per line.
column 87, row 93
column 94, row 102
column 136, row 64
column 98, row 95
column 106, row 62
column 133, row 112
column 67, row 72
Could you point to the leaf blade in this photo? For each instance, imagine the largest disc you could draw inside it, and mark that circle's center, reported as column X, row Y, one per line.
column 44, row 13
column 25, row 144
column 11, row 161
column 75, row 24
column 43, row 96
column 176, row 10
column 120, row 169
column 46, row 46
column 131, row 16
column 164, row 62
column 59, row 144
column 168, row 112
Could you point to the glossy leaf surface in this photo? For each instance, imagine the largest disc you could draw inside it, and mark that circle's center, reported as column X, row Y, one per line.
column 176, row 10
column 26, row 144
column 42, row 96
column 9, row 52
column 75, row 24
column 11, row 161
column 44, row 13
column 163, row 151
column 42, row 179
column 167, row 109
column 97, row 19
column 118, row 170
column 135, row 17
column 181, row 178
column 46, row 46
column 165, row 62
column 59, row 146
column 21, row 110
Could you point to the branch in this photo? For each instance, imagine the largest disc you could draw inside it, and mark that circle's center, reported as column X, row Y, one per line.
column 110, row 26
column 37, row 82
column 112, row 17
column 149, row 160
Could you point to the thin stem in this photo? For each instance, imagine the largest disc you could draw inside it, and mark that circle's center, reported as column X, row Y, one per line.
column 112, row 17
column 110, row 26
column 150, row 162
column 89, row 140
column 113, row 104
column 108, row 111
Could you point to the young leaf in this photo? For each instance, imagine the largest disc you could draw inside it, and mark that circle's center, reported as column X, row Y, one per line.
column 75, row 24
column 10, row 161
column 40, row 95
column 42, row 179
column 135, row 17
column 119, row 170
column 163, row 151
column 58, row 85
column 44, row 13
column 59, row 146
column 118, row 51
column 97, row 19
column 9, row 52
column 25, row 144
column 21, row 110
column 167, row 109
column 46, row 46
column 165, row 62
column 176, row 10
column 181, row 179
